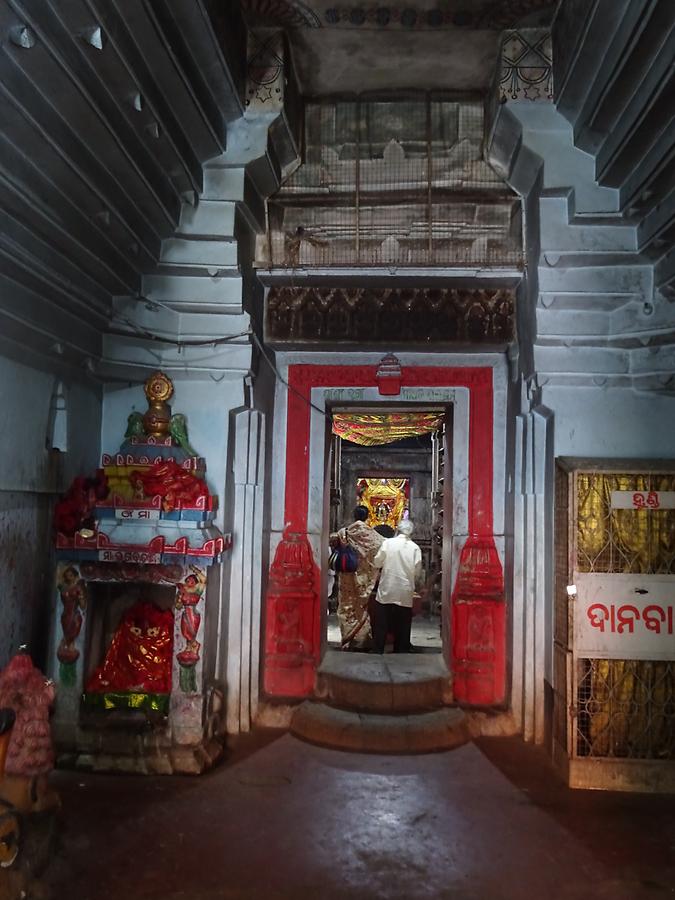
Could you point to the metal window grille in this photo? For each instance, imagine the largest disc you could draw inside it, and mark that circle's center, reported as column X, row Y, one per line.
column 640, row 541
column 400, row 183
column 625, row 709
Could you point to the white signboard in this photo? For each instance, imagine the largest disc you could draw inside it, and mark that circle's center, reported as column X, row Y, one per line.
column 643, row 500
column 624, row 616
column 126, row 513
column 134, row 556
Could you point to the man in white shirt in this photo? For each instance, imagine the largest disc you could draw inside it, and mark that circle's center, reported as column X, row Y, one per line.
column 401, row 562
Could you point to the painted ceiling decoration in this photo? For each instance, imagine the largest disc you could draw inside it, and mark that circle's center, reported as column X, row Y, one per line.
column 526, row 65
column 286, row 13
column 373, row 429
column 264, row 68
column 469, row 14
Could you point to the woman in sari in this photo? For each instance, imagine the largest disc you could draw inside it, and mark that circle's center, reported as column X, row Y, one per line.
column 355, row 588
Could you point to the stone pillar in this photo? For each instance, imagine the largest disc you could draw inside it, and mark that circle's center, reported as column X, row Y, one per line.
column 247, row 427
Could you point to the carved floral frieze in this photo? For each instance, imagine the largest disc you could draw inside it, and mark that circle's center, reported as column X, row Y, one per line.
column 390, row 315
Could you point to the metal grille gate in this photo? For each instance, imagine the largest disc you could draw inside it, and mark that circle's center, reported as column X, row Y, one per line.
column 607, row 710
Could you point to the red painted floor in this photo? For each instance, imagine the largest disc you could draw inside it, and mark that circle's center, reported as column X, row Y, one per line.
column 283, row 819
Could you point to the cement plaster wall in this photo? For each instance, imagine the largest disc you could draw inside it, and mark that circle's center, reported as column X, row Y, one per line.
column 611, row 422
column 31, row 478
column 25, row 520
column 330, row 61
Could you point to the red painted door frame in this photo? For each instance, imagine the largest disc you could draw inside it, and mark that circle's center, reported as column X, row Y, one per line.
column 292, row 612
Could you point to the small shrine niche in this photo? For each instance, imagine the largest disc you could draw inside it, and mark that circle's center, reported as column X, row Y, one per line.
column 129, row 646
column 134, row 544
column 386, row 499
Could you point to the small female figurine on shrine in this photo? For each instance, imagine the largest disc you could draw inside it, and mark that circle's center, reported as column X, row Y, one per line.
column 74, row 598
column 190, row 591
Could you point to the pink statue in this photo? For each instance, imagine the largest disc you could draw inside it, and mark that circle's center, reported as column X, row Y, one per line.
column 30, row 754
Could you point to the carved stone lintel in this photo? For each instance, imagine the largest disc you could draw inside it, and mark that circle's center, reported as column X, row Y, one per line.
column 390, row 315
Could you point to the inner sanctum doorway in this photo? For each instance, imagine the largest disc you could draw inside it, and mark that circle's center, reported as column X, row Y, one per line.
column 395, row 463
column 473, row 588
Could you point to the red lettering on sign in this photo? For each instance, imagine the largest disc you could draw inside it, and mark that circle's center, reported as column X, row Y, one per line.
column 644, row 500
column 622, row 619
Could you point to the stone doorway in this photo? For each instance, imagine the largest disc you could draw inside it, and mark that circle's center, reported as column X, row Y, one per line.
column 295, row 602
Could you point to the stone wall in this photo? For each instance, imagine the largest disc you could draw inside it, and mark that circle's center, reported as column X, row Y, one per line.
column 31, row 478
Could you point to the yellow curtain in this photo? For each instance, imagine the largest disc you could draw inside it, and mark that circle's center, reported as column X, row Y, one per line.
column 640, row 541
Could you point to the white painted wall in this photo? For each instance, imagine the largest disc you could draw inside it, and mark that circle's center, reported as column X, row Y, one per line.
column 611, row 422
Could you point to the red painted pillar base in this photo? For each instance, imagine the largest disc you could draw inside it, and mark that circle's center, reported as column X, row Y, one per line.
column 479, row 626
column 291, row 627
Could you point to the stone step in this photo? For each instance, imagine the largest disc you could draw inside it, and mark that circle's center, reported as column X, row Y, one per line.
column 583, row 302
column 632, row 279
column 562, row 236
column 220, row 254
column 224, row 182
column 343, row 729
column 208, row 218
column 391, row 683
column 196, row 292
column 592, row 361
column 639, row 320
column 129, row 356
column 550, row 137
column 565, row 259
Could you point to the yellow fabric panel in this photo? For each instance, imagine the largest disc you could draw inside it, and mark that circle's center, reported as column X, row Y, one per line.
column 372, row 429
